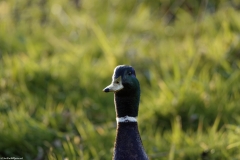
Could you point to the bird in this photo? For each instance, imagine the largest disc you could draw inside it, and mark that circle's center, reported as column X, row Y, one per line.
column 125, row 85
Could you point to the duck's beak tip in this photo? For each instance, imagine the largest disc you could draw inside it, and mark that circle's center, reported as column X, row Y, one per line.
column 106, row 90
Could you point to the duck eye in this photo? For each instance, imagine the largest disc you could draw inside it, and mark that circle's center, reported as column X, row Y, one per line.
column 129, row 73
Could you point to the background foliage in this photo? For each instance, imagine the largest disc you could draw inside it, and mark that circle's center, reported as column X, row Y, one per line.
column 57, row 56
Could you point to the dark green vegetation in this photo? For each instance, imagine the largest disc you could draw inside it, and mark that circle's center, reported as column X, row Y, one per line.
column 57, row 56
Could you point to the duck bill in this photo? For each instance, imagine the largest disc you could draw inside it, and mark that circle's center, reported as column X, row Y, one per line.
column 115, row 86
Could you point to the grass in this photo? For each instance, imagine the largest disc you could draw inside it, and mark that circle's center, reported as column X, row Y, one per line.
column 57, row 56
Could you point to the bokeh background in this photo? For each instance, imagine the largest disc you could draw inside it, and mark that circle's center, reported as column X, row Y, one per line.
column 56, row 56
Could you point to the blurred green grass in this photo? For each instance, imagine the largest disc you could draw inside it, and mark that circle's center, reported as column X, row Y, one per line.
column 57, row 56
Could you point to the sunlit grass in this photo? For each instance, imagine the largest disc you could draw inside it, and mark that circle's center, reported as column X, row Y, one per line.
column 56, row 57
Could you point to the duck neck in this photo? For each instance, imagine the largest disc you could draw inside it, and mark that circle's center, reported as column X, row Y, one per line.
column 126, row 104
column 127, row 130
column 127, row 137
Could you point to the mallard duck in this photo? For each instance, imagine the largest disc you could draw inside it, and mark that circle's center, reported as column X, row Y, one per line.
column 126, row 88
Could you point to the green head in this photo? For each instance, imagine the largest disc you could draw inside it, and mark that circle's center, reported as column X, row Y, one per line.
column 126, row 90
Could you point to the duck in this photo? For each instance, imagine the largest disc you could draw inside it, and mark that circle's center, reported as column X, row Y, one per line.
column 126, row 88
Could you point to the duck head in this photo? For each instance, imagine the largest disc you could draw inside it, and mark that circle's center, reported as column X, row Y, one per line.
column 126, row 90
